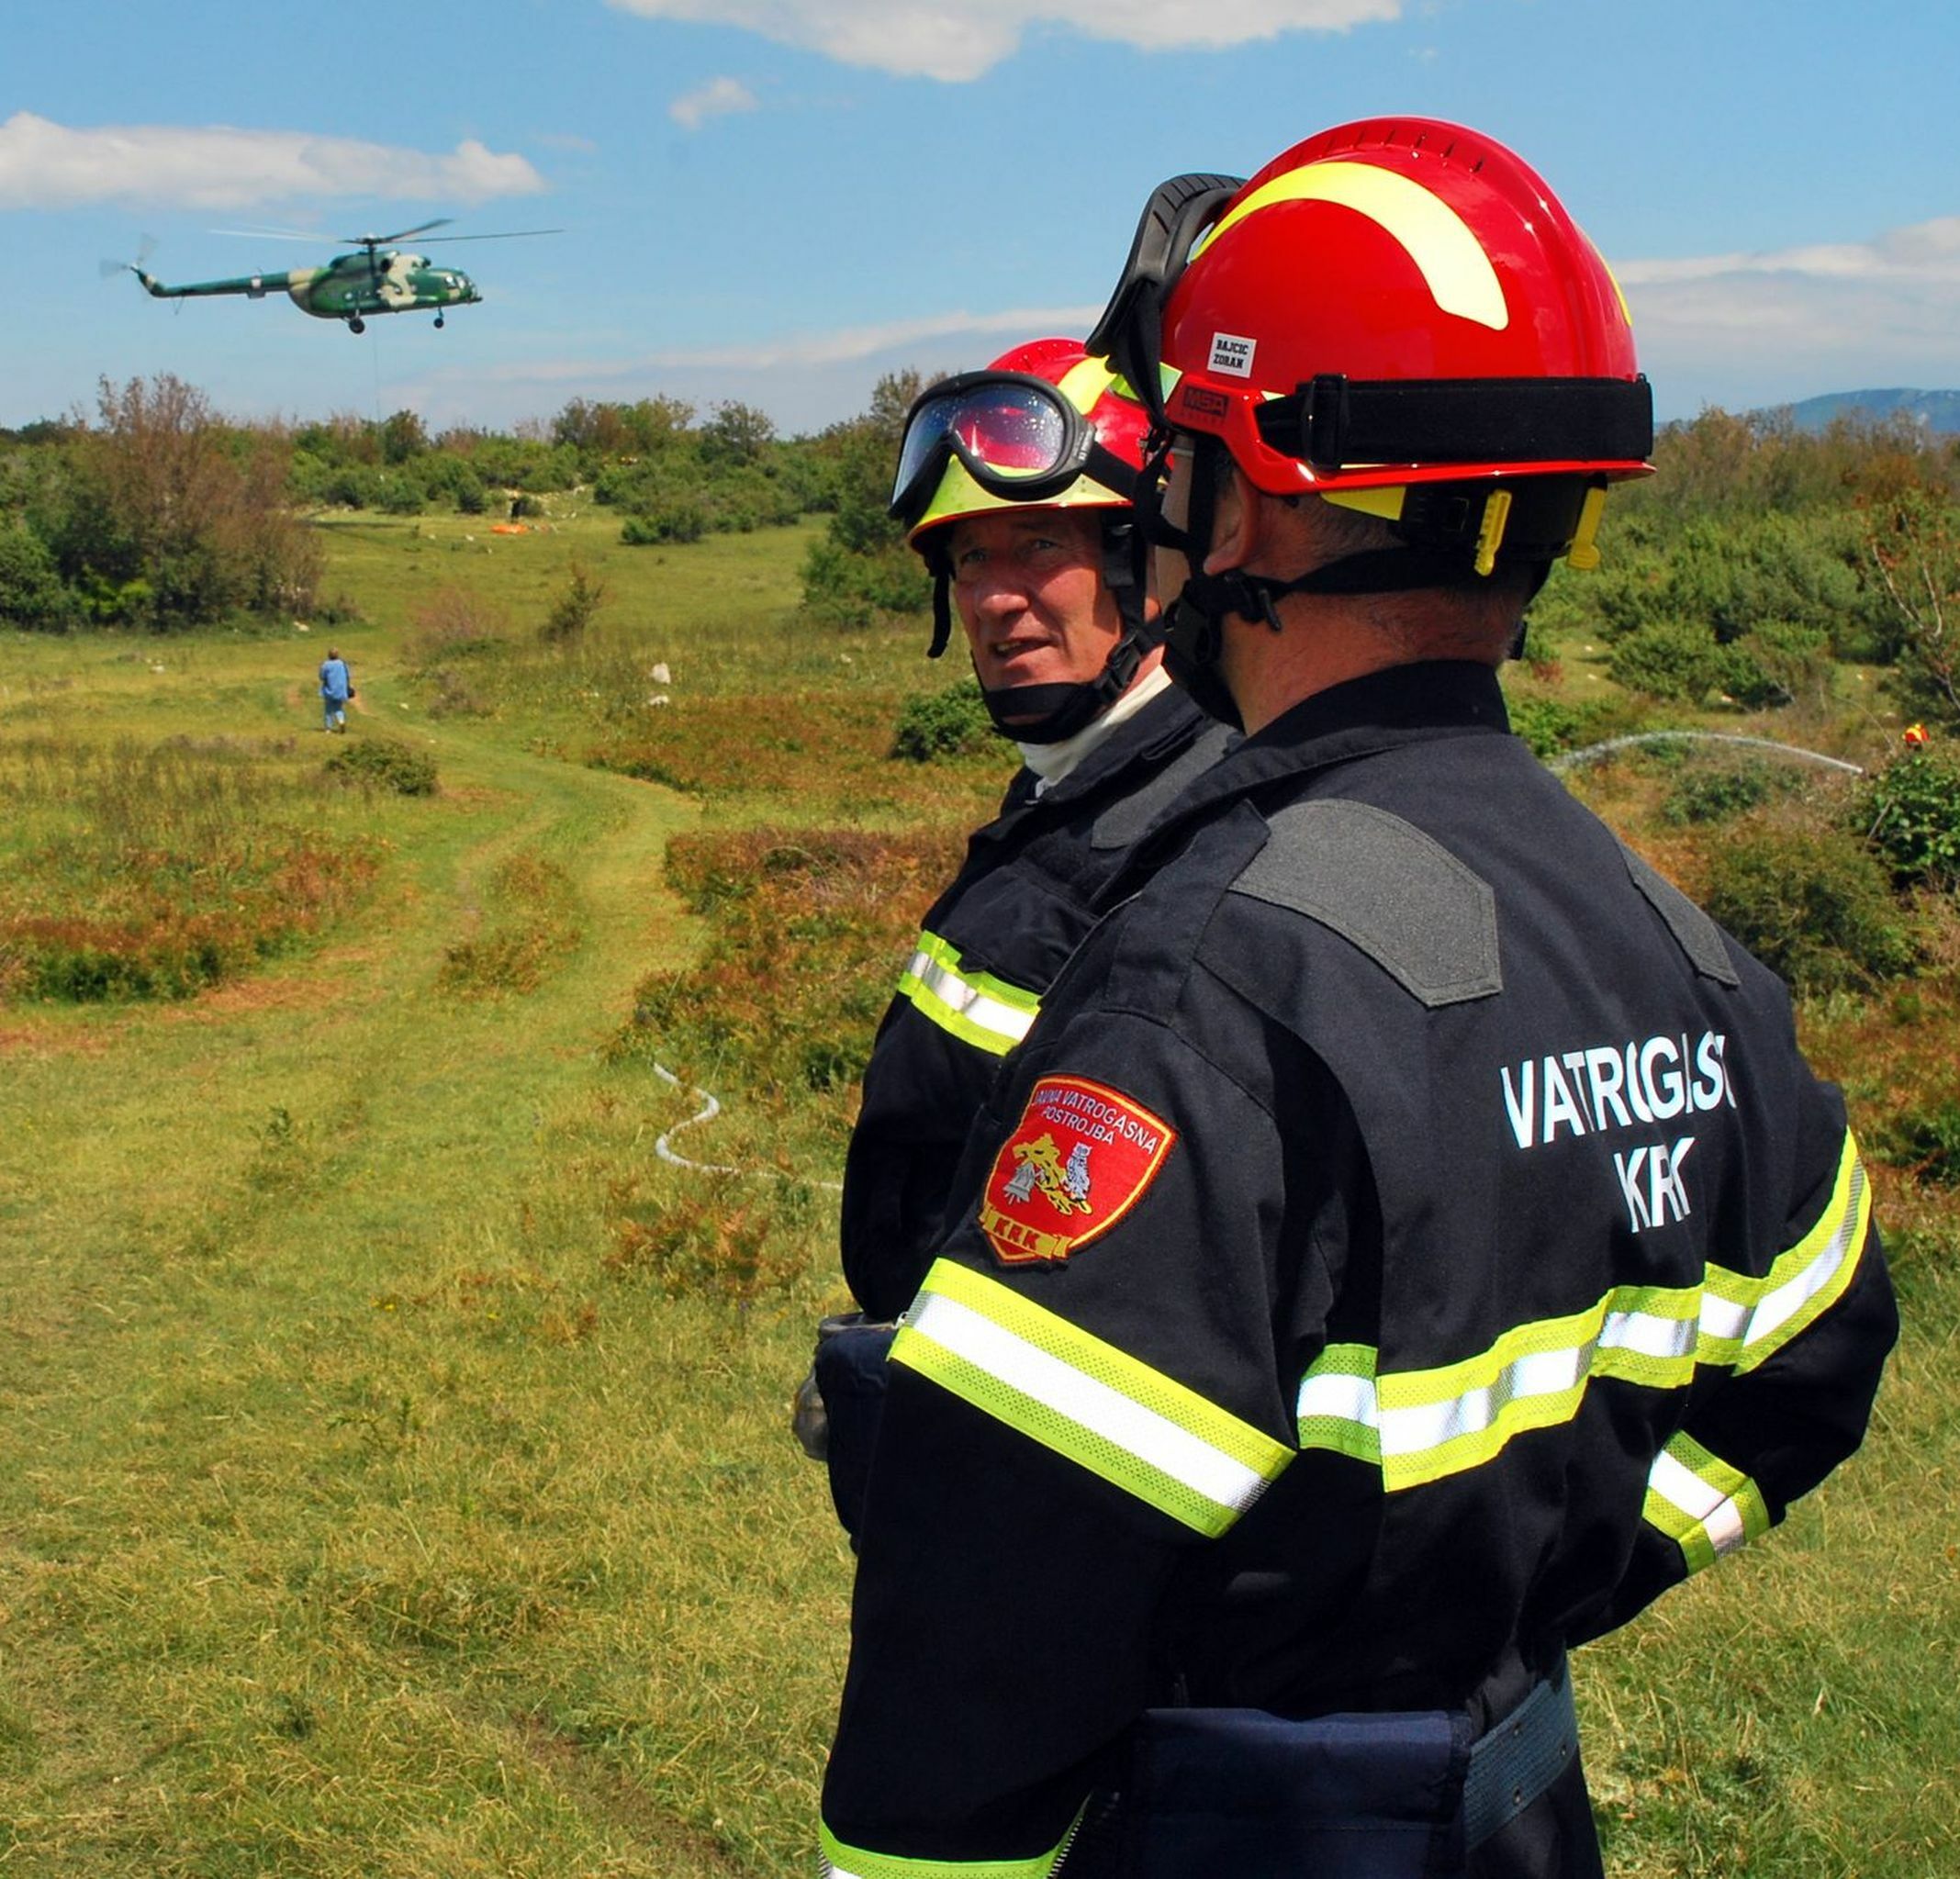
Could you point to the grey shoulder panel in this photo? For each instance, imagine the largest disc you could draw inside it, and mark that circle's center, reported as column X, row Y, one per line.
column 1123, row 822
column 1694, row 932
column 1386, row 888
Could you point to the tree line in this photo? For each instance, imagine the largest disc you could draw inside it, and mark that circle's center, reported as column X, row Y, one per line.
column 156, row 512
column 1758, row 554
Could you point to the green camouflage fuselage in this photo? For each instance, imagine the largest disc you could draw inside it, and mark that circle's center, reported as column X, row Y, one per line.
column 351, row 286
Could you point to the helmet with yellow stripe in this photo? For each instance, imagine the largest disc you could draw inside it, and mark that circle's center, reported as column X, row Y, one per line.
column 1400, row 316
column 1034, row 428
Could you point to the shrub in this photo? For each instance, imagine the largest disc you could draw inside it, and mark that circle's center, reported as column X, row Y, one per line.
column 1926, row 1140
column 385, row 763
column 941, row 723
column 575, row 609
column 1551, row 725
column 1717, row 794
column 1670, row 659
column 31, row 594
column 664, row 519
column 1910, row 813
column 1813, row 905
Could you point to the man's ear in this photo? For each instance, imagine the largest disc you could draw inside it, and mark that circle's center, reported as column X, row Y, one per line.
column 1236, row 520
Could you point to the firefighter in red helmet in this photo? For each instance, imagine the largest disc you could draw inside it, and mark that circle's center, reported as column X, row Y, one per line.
column 1014, row 483
column 1409, row 1241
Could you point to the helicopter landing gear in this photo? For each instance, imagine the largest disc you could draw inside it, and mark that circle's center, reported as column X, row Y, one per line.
column 356, row 324
column 439, row 321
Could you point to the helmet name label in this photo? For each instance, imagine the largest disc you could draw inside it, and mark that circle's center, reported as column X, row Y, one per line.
column 1232, row 354
column 1080, row 1158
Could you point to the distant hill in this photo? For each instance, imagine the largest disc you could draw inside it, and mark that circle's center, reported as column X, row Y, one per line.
column 1937, row 410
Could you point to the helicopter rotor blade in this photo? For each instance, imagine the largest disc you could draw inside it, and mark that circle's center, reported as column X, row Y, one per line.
column 145, row 248
column 505, row 235
column 317, row 240
column 399, row 235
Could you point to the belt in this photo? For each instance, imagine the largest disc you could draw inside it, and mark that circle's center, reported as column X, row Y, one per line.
column 1513, row 1763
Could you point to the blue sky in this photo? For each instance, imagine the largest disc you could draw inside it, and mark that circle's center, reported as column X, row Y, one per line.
column 777, row 200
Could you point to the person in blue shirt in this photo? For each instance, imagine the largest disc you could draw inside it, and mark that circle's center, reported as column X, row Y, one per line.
column 335, row 689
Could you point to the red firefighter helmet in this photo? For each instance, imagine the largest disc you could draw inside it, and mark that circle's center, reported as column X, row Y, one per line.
column 1401, row 301
column 1033, row 430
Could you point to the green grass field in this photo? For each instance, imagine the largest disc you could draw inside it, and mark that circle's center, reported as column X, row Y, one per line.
column 397, row 1479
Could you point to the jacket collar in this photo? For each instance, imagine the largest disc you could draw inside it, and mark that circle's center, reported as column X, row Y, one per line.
column 1400, row 704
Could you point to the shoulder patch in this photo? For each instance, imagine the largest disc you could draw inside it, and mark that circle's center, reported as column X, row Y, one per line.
column 1695, row 933
column 1123, row 822
column 1387, row 887
column 1081, row 1156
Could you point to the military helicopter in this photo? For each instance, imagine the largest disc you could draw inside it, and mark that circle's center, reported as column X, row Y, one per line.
column 354, row 286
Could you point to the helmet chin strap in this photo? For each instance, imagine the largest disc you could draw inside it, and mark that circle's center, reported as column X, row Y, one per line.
column 1193, row 624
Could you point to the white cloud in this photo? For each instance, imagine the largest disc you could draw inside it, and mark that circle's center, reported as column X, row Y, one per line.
column 718, row 98
column 1924, row 251
column 1770, row 326
column 956, row 40
column 49, row 165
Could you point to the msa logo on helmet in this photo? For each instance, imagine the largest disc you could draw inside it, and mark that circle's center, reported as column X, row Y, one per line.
column 1200, row 403
column 1232, row 354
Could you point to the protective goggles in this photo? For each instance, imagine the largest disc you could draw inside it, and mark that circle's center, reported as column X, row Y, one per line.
column 1129, row 332
column 1016, row 435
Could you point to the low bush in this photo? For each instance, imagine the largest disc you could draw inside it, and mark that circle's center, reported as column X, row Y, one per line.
column 1708, row 793
column 1910, row 815
column 575, row 609
column 941, row 723
column 1925, row 1140
column 385, row 763
column 808, row 930
column 1812, row 904
column 666, row 520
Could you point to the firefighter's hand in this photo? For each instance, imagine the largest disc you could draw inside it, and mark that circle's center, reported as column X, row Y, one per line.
column 808, row 1422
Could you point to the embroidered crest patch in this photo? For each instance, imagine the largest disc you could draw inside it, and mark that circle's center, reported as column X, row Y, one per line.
column 1079, row 1158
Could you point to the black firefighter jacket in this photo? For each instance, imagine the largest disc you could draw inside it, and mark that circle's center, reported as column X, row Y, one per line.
column 1409, row 1243
column 990, row 947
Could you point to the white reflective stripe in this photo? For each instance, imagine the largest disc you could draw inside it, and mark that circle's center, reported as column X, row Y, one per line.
column 1718, row 1514
column 968, row 1001
column 1723, row 1319
column 1753, row 1324
column 1340, row 1398
column 1410, row 1429
column 1649, row 1335
column 1094, row 1406
column 1783, row 1304
column 1423, row 1426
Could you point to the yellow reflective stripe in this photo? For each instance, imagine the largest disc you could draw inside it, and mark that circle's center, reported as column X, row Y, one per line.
column 1424, row 1424
column 1701, row 1502
column 1745, row 1320
column 1440, row 241
column 841, row 1862
column 1435, row 1423
column 1338, row 1407
column 1050, row 1380
column 976, row 1007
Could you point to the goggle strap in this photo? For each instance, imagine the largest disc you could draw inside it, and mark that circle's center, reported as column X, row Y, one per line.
column 1331, row 421
column 1128, row 334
